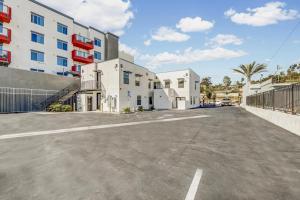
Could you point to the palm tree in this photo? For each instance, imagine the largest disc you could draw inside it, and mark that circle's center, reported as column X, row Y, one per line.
column 248, row 70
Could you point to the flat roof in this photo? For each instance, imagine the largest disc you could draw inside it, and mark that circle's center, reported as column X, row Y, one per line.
column 69, row 17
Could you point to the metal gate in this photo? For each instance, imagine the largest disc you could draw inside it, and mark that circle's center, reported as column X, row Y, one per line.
column 13, row 100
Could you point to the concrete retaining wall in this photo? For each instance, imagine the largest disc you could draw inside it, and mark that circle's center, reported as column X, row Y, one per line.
column 16, row 78
column 286, row 121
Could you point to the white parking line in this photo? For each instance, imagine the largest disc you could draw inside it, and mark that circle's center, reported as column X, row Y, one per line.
column 69, row 130
column 194, row 185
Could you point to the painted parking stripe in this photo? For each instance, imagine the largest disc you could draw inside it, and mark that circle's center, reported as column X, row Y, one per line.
column 70, row 130
column 194, row 185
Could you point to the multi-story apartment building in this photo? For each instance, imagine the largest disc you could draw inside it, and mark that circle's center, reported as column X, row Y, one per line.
column 38, row 38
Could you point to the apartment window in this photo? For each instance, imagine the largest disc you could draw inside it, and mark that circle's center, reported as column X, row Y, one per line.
column 149, row 85
column 97, row 55
column 62, row 45
column 62, row 29
column 181, row 83
column 37, row 56
column 97, row 42
column 167, row 84
column 137, row 83
column 37, row 70
column 37, row 37
column 126, row 77
column 62, row 73
column 62, row 61
column 157, row 85
column 139, row 100
column 37, row 19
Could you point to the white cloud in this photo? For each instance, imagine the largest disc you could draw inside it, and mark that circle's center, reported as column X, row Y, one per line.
column 190, row 56
column 170, row 35
column 147, row 42
column 112, row 15
column 270, row 13
column 132, row 51
column 196, row 24
column 222, row 39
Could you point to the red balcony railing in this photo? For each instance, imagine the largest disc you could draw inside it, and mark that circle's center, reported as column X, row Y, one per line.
column 75, row 71
column 5, row 56
column 82, row 57
column 5, row 13
column 5, row 35
column 82, row 42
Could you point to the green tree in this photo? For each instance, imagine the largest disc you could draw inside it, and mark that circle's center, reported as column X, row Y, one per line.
column 248, row 70
column 226, row 81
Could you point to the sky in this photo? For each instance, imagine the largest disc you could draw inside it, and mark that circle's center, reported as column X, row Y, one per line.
column 209, row 36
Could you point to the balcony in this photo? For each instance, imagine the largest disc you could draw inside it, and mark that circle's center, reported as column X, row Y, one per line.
column 5, row 35
column 82, row 42
column 5, row 56
column 90, row 85
column 75, row 71
column 5, row 13
column 82, row 57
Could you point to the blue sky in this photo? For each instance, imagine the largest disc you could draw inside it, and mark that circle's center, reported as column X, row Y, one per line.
column 259, row 43
column 209, row 36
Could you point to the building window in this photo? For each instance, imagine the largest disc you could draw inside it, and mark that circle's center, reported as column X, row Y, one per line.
column 62, row 45
column 37, row 19
column 149, row 85
column 157, row 85
column 97, row 42
column 167, row 84
column 137, row 83
column 139, row 100
column 191, row 100
column 181, row 83
column 37, row 70
column 62, row 29
column 138, row 80
column 194, row 100
column 126, row 77
column 37, row 37
column 62, row 73
column 37, row 56
column 97, row 55
column 62, row 61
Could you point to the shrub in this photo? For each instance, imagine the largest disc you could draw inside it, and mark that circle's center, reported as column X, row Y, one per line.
column 55, row 107
column 66, row 108
column 127, row 110
column 140, row 109
column 58, row 107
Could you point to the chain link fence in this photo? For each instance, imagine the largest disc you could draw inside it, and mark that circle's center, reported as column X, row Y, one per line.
column 14, row 100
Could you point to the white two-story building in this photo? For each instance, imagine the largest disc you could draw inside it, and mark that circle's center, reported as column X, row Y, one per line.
column 117, row 84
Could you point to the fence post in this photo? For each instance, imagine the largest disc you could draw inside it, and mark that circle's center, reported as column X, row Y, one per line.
column 293, row 103
column 263, row 100
column 273, row 99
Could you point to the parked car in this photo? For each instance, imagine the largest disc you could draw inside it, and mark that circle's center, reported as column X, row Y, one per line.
column 226, row 102
column 218, row 103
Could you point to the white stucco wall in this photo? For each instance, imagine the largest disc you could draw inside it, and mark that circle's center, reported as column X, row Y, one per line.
column 191, row 79
column 286, row 121
column 129, row 92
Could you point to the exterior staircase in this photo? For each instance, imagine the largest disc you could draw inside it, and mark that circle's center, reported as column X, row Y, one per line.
column 64, row 96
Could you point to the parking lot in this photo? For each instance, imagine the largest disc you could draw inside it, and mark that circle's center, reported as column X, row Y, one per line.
column 147, row 156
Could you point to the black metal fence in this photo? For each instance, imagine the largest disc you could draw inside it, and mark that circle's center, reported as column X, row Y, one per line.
column 285, row 99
